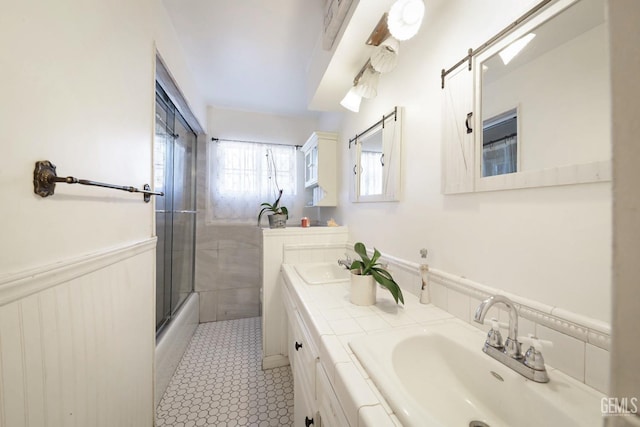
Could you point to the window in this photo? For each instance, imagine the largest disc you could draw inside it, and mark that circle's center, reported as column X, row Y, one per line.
column 500, row 144
column 243, row 175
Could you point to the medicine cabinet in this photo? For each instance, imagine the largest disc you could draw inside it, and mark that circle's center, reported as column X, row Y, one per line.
column 534, row 110
column 320, row 169
column 376, row 160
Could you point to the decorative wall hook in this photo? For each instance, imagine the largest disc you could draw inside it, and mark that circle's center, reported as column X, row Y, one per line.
column 45, row 179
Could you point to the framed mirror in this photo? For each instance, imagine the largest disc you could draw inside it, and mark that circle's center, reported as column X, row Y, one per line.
column 542, row 101
column 377, row 160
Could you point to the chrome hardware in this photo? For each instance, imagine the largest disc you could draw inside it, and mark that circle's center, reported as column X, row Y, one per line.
column 346, row 263
column 510, row 354
column 511, row 345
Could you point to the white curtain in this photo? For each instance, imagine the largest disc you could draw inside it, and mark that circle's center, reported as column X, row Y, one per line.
column 370, row 173
column 243, row 175
column 500, row 157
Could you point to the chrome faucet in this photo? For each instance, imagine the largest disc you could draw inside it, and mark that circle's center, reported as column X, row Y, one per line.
column 510, row 353
column 511, row 345
column 346, row 263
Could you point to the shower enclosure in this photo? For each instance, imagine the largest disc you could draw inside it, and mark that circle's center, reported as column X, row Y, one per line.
column 174, row 174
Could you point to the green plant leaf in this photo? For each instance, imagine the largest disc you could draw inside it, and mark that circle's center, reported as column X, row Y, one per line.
column 376, row 256
column 285, row 211
column 357, row 265
column 379, row 275
column 362, row 251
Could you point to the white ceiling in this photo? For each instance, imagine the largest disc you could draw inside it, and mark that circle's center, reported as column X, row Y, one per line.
column 250, row 55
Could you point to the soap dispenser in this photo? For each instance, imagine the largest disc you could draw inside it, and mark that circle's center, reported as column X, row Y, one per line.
column 424, row 270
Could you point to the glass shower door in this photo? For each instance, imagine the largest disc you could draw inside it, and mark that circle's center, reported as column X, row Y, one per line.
column 174, row 174
column 184, row 214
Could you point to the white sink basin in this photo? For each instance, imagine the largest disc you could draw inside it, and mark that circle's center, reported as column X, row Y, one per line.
column 322, row 272
column 439, row 376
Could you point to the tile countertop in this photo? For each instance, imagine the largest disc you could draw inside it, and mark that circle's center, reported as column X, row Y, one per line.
column 333, row 321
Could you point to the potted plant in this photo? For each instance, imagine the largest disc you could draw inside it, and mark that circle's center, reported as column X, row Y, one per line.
column 278, row 217
column 364, row 275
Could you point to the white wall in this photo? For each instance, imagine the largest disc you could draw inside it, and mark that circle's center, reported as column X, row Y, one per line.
column 169, row 48
column 552, row 244
column 625, row 60
column 77, row 269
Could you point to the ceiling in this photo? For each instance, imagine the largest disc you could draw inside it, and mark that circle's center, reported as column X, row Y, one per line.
column 250, row 55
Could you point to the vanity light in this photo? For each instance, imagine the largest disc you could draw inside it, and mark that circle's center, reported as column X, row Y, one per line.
column 385, row 56
column 510, row 52
column 405, row 18
column 367, row 86
column 351, row 100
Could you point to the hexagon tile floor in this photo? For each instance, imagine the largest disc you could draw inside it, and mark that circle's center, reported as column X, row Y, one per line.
column 220, row 382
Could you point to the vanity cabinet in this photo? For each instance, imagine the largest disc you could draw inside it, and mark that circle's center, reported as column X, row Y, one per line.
column 303, row 357
column 315, row 402
column 320, row 178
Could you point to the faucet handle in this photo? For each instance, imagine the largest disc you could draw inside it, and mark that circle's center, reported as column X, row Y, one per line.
column 533, row 357
column 495, row 324
column 535, row 342
column 494, row 337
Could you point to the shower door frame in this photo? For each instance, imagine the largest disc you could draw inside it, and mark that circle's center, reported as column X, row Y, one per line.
column 170, row 210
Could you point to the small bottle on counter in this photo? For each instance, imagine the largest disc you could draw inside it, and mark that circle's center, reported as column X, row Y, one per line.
column 304, row 222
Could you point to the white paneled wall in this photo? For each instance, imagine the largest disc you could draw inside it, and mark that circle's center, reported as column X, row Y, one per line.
column 80, row 351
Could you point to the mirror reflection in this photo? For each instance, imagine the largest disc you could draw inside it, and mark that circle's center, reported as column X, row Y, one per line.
column 371, row 164
column 500, row 144
column 544, row 97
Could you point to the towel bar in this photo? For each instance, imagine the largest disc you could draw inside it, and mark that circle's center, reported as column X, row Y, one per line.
column 45, row 178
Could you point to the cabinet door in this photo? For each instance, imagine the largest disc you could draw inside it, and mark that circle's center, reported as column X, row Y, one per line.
column 311, row 167
column 304, row 411
column 458, row 148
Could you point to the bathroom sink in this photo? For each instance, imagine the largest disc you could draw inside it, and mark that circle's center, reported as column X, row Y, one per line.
column 322, row 272
column 437, row 375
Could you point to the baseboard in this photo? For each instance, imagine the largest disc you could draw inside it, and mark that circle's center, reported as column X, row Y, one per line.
column 274, row 361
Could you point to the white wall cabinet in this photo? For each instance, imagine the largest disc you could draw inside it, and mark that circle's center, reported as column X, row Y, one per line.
column 320, row 176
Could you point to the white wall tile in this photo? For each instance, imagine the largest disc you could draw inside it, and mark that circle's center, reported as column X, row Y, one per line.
column 458, row 304
column 597, row 368
column 438, row 295
column 566, row 354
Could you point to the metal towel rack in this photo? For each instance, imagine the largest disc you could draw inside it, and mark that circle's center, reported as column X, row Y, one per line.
column 45, row 178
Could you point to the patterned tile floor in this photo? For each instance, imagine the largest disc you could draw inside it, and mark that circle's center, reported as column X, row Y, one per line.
column 220, row 382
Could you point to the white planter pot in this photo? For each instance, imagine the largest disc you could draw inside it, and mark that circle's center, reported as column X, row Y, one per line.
column 363, row 290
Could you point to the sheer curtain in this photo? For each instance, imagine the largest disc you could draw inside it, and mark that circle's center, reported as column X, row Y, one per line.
column 370, row 173
column 243, row 175
column 500, row 157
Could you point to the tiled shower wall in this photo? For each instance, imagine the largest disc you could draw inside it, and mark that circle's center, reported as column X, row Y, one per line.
column 228, row 271
column 228, row 274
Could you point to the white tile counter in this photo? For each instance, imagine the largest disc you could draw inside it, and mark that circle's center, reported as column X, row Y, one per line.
column 333, row 321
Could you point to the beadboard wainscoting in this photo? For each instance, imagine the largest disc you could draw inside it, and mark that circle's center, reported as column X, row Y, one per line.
column 580, row 344
column 77, row 341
